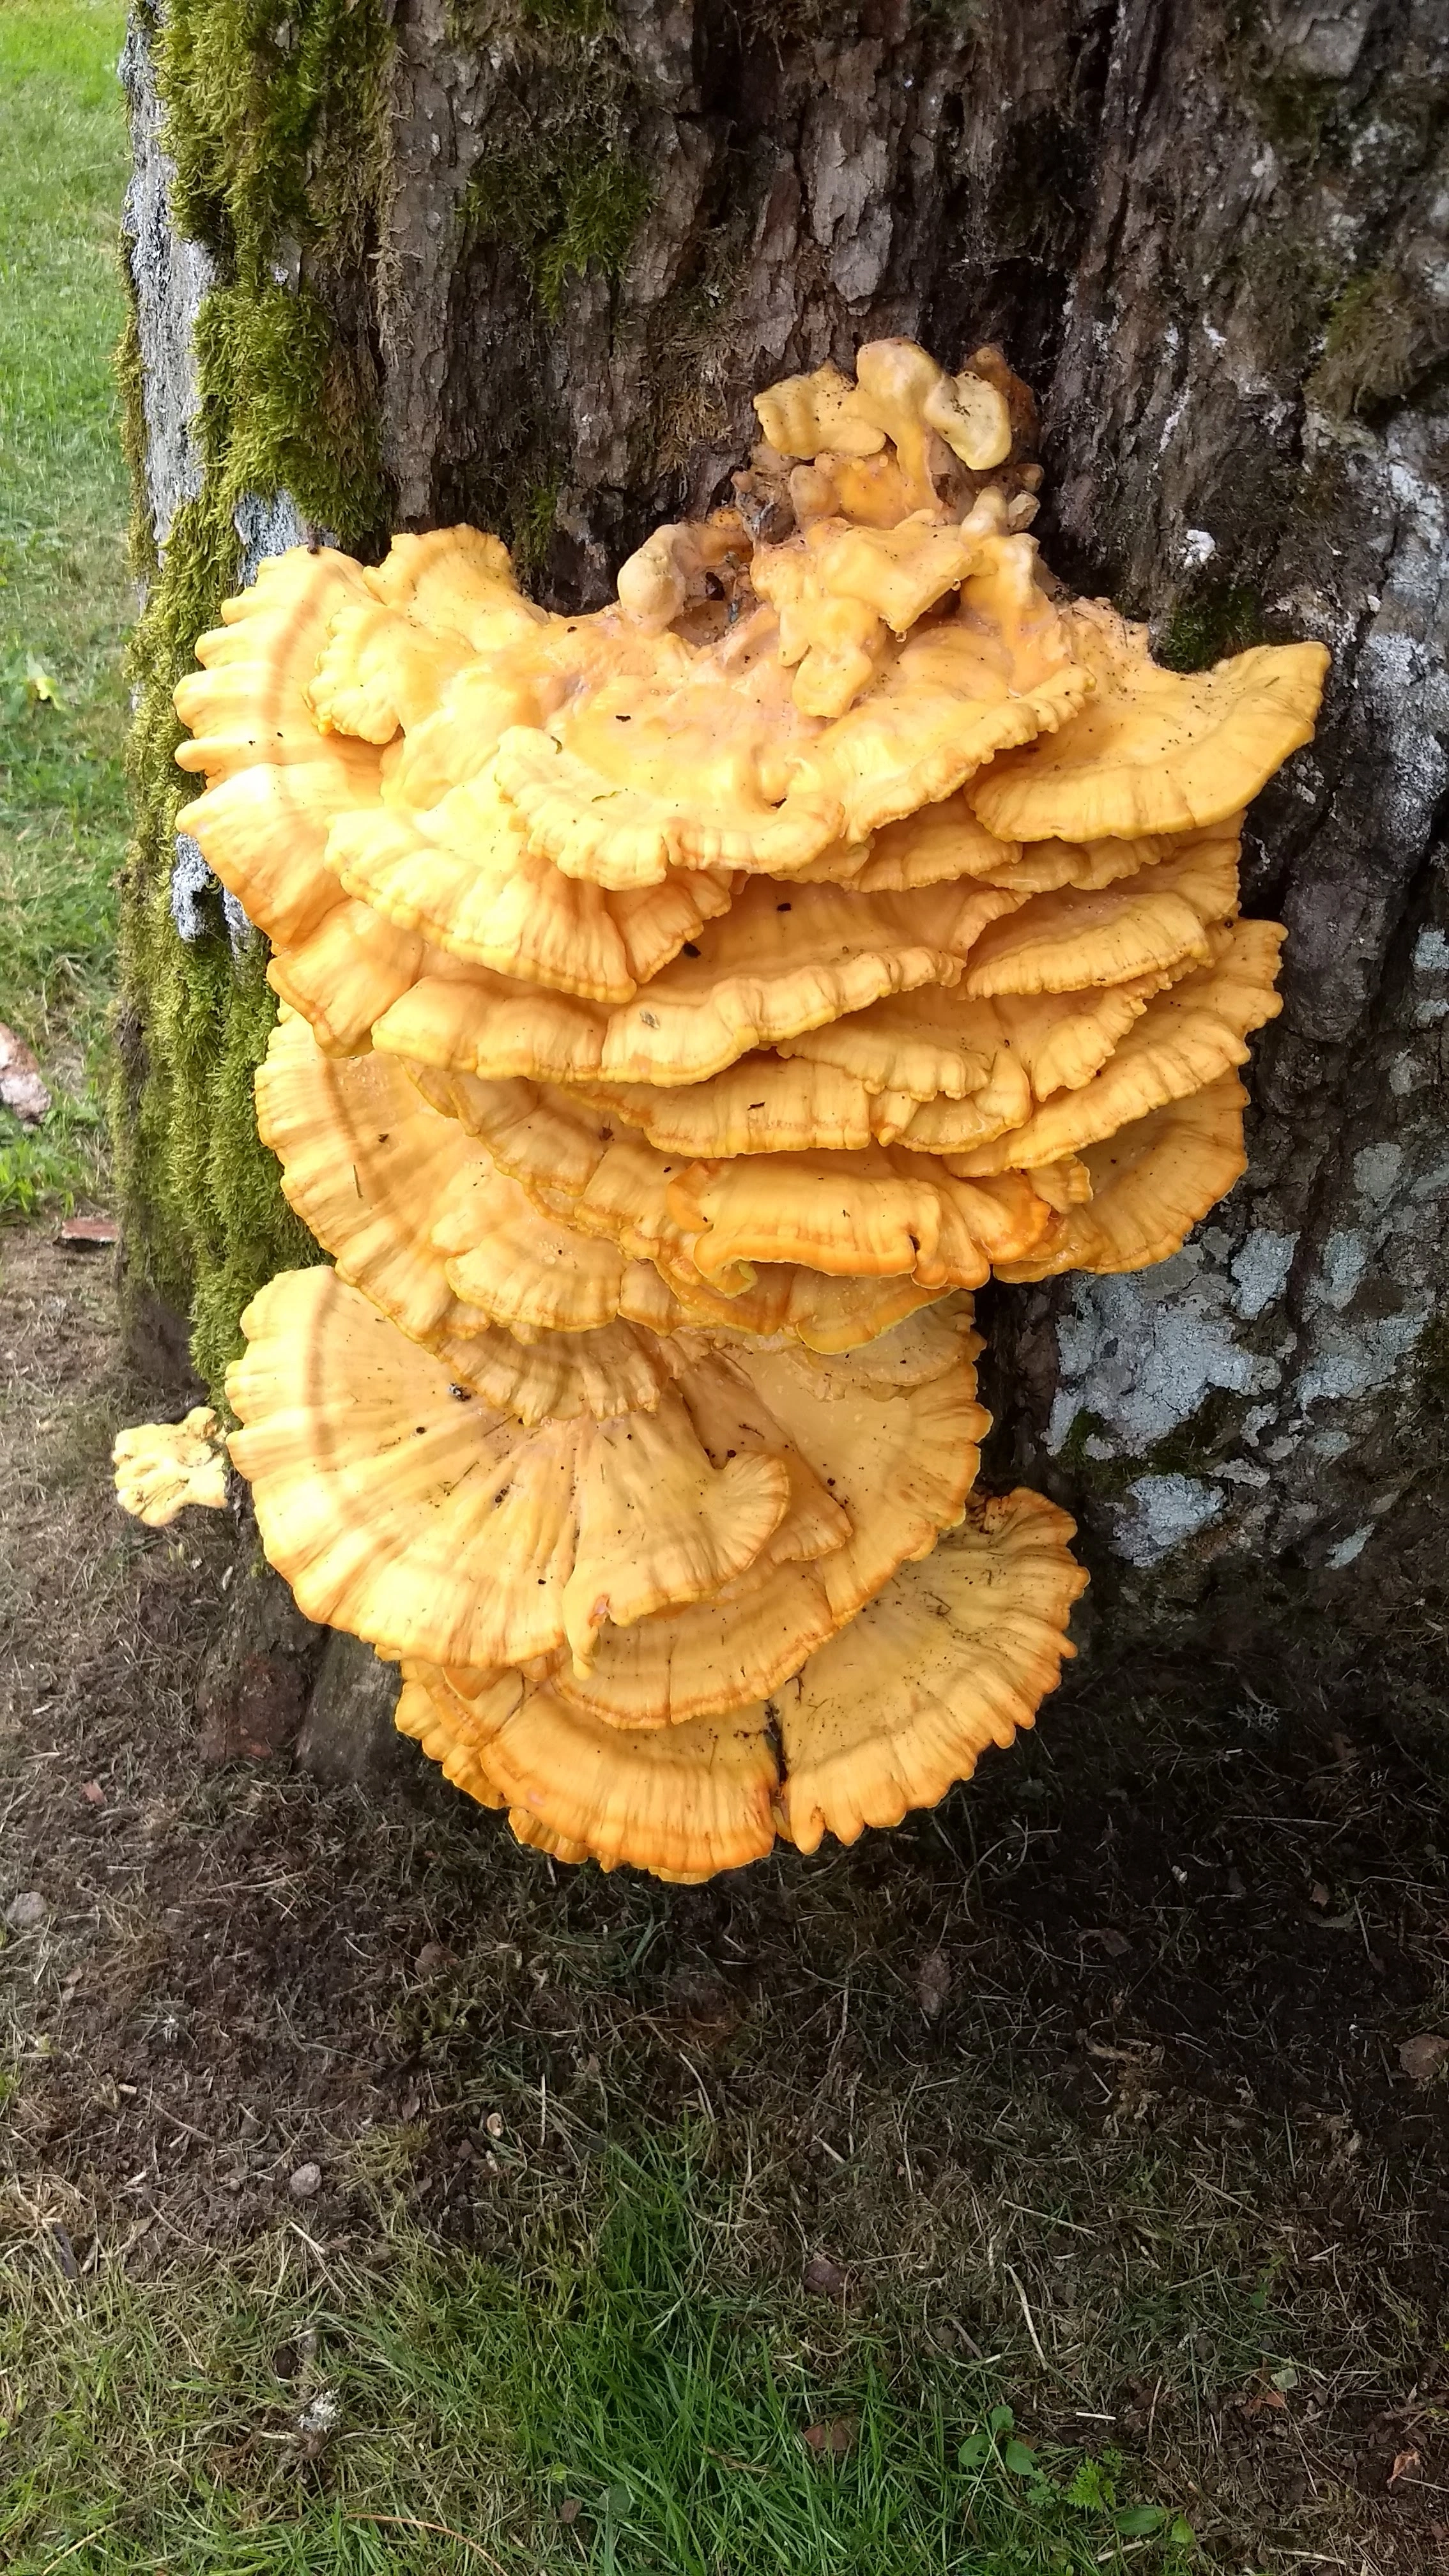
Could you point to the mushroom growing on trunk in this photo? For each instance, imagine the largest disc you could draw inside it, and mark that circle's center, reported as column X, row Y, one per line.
column 686, row 1007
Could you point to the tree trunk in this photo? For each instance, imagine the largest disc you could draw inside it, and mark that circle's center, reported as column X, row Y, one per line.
column 524, row 264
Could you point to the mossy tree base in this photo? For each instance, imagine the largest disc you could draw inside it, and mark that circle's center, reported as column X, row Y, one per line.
column 526, row 265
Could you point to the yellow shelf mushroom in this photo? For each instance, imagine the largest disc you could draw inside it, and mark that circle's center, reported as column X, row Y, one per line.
column 686, row 1005
column 161, row 1467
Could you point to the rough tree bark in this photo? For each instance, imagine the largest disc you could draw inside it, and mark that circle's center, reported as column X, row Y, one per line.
column 1215, row 237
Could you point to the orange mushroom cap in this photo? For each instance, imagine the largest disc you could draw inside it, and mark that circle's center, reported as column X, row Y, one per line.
column 956, row 1653
column 573, row 1164
column 1185, row 1038
column 465, row 878
column 373, row 1170
column 1145, row 924
column 399, row 1507
column 684, row 1801
column 899, row 1458
column 161, row 1467
column 884, row 1210
column 1151, row 1184
column 1155, row 750
column 782, row 959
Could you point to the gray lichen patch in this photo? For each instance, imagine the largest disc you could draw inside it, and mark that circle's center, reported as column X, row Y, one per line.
column 169, row 275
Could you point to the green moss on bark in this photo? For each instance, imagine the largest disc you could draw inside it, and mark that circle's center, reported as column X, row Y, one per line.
column 1381, row 340
column 573, row 197
column 1223, row 618
column 274, row 120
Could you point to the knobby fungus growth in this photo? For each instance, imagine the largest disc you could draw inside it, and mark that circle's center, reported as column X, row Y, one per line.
column 686, row 1006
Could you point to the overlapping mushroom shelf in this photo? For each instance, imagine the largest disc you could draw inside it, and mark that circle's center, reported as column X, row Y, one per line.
column 686, row 1007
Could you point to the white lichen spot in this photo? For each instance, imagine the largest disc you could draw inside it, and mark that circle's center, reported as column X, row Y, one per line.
column 1261, row 1270
column 1170, row 424
column 1350, row 1547
column 1345, row 1258
column 1352, row 1359
column 1431, row 953
column 1198, row 547
column 1329, row 1445
column 1143, row 1350
column 1164, row 1510
column 266, row 525
column 1375, row 1170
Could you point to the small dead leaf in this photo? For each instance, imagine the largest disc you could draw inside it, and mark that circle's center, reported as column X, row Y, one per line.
column 832, row 2441
column 569, row 2510
column 1318, row 1893
column 1343, row 1752
column 433, row 1956
column 933, row 1985
column 93, row 1794
column 88, row 1233
column 1423, row 2056
column 64, row 2251
column 1403, row 2462
column 825, row 2277
column 38, row 683
column 1114, row 1943
column 22, row 1090
column 1265, row 2401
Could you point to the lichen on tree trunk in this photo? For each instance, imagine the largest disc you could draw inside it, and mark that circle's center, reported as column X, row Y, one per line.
column 525, row 263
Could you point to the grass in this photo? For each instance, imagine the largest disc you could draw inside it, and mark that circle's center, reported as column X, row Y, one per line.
column 65, row 595
column 639, row 2406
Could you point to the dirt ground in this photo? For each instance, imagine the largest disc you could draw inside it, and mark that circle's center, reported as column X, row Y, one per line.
column 1120, row 2067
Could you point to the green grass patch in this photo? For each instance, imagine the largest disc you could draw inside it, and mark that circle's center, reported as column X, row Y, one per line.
column 641, row 2407
column 65, row 594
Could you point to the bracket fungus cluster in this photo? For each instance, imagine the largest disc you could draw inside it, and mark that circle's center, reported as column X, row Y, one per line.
column 686, row 1007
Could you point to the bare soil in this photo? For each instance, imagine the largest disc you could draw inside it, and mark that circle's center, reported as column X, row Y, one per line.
column 1097, row 2069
